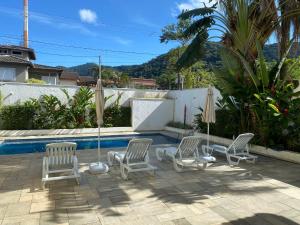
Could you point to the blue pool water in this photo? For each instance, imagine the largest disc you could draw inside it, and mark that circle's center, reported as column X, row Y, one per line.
column 10, row 147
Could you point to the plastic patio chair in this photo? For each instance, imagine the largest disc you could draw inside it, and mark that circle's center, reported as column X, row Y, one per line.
column 237, row 151
column 134, row 159
column 185, row 155
column 60, row 158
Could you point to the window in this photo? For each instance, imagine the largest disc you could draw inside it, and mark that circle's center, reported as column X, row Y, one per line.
column 49, row 80
column 16, row 52
column 3, row 51
column 7, row 74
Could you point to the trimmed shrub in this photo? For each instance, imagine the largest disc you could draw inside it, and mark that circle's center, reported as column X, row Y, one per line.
column 17, row 117
column 116, row 116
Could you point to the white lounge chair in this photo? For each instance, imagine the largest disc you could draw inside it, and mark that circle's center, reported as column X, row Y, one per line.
column 134, row 159
column 185, row 155
column 60, row 158
column 238, row 150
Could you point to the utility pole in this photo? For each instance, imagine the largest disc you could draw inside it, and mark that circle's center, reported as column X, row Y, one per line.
column 25, row 34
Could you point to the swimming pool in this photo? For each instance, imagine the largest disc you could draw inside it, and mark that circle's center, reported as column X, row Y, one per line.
column 11, row 147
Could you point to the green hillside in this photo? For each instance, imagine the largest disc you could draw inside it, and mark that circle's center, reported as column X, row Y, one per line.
column 155, row 67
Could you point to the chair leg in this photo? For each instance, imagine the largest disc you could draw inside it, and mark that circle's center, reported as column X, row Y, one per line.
column 78, row 180
column 177, row 167
column 231, row 162
column 124, row 174
column 43, row 185
column 158, row 152
column 110, row 158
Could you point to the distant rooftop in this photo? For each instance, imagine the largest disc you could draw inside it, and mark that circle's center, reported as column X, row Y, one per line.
column 20, row 48
column 45, row 67
column 14, row 60
column 69, row 75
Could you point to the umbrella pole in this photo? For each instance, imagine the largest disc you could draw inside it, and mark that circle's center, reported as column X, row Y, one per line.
column 208, row 135
column 99, row 155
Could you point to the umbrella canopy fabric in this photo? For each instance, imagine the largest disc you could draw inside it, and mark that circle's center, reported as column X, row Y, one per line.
column 99, row 99
column 209, row 114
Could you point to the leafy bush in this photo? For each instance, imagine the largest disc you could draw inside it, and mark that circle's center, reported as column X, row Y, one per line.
column 17, row 117
column 49, row 112
column 226, row 124
column 35, row 81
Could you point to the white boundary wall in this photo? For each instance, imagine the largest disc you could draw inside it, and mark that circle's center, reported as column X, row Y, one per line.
column 151, row 114
column 152, row 99
column 20, row 92
column 192, row 99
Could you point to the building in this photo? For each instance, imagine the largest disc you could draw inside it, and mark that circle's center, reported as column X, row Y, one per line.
column 87, row 81
column 69, row 77
column 48, row 74
column 143, row 83
column 15, row 63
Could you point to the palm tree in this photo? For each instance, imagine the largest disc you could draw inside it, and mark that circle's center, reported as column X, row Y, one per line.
column 241, row 23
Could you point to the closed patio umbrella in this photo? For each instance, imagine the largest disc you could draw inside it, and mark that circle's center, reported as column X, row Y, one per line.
column 99, row 167
column 209, row 115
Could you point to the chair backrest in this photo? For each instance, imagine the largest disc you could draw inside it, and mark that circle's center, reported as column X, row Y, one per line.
column 239, row 145
column 60, row 153
column 188, row 147
column 137, row 150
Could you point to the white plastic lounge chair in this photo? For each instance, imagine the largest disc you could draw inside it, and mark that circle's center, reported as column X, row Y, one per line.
column 238, row 150
column 60, row 158
column 134, row 159
column 185, row 155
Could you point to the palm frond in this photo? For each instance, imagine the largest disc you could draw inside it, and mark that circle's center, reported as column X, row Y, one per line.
column 197, row 12
column 194, row 51
column 198, row 25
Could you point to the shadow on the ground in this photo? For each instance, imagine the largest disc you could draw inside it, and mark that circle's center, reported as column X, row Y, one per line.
column 110, row 196
column 262, row 219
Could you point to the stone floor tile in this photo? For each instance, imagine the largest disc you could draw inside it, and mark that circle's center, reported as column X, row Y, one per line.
column 43, row 206
column 18, row 209
column 59, row 217
column 31, row 219
column 79, row 216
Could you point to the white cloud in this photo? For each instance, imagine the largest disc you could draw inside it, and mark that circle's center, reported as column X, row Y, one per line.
column 88, row 16
column 192, row 4
column 122, row 41
column 145, row 22
column 51, row 21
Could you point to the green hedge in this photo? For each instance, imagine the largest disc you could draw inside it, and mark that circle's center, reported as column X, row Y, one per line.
column 26, row 116
column 17, row 117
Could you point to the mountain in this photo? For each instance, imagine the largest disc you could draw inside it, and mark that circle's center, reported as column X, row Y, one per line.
column 155, row 67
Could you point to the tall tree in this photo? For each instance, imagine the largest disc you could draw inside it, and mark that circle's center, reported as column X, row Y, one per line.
column 175, row 32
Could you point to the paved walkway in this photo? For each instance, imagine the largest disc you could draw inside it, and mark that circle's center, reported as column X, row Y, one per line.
column 265, row 193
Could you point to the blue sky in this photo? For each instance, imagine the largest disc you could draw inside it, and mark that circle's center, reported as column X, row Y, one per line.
column 118, row 25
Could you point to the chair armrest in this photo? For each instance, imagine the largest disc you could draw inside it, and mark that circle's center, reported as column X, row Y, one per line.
column 219, row 148
column 207, row 150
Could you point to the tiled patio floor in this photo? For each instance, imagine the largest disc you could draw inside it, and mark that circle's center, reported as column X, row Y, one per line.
column 265, row 193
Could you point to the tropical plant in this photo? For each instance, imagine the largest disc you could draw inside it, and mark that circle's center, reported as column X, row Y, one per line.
column 35, row 81
column 175, row 32
column 244, row 78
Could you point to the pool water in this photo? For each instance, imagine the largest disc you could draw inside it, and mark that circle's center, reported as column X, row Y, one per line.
column 10, row 147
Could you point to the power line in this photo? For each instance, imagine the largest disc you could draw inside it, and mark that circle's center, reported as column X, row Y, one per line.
column 67, row 55
column 79, row 47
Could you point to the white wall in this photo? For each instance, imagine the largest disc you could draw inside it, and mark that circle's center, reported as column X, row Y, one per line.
column 151, row 114
column 147, row 109
column 192, row 99
column 20, row 92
